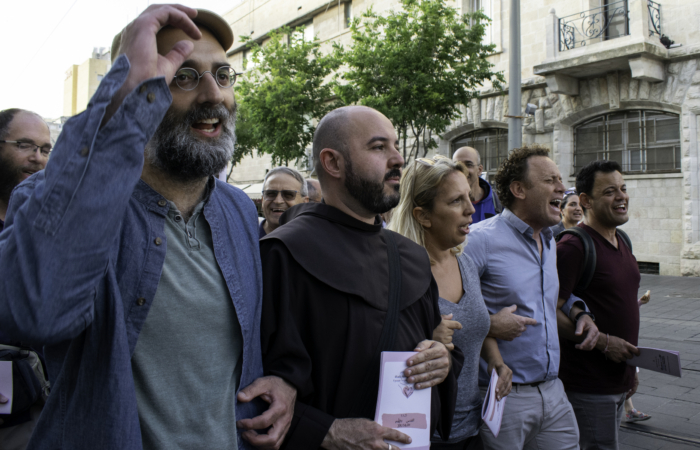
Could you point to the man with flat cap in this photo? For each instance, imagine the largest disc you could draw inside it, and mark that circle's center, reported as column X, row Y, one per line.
column 135, row 268
column 328, row 308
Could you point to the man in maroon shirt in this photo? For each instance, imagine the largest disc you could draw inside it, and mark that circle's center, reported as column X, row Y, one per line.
column 597, row 382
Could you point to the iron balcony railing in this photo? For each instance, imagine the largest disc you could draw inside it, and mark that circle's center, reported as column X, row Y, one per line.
column 606, row 22
column 654, row 18
column 609, row 21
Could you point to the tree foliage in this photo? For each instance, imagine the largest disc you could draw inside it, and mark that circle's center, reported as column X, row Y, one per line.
column 416, row 66
column 282, row 96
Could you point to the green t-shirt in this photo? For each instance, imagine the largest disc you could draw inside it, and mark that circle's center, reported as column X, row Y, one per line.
column 188, row 358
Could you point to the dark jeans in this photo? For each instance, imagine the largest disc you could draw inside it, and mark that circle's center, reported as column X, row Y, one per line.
column 470, row 443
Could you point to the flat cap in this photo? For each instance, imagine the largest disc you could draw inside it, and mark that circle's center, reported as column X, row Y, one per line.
column 213, row 22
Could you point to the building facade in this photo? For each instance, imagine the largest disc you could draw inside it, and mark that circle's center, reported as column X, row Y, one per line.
column 605, row 87
column 82, row 81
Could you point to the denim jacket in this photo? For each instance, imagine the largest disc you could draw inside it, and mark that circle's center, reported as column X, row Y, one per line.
column 81, row 256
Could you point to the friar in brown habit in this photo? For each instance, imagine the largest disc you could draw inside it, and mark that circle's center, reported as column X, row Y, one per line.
column 326, row 294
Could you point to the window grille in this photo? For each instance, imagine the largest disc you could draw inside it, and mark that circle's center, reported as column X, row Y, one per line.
column 491, row 143
column 641, row 141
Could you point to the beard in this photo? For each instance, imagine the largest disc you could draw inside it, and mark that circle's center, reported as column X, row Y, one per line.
column 370, row 193
column 11, row 175
column 176, row 150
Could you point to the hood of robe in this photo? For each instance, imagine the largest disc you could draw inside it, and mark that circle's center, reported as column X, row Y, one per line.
column 350, row 255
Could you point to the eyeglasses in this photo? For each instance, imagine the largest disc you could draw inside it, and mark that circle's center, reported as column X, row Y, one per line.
column 426, row 162
column 287, row 195
column 188, row 79
column 28, row 148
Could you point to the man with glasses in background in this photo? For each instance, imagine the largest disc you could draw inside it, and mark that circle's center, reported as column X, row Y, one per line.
column 25, row 145
column 283, row 188
column 136, row 269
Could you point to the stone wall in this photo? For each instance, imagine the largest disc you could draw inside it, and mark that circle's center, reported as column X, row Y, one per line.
column 664, row 208
column 655, row 225
column 690, row 257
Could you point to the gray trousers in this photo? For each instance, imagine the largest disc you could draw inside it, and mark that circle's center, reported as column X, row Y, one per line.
column 535, row 418
column 599, row 418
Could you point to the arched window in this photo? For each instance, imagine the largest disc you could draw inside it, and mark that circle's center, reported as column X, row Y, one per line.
column 641, row 141
column 491, row 143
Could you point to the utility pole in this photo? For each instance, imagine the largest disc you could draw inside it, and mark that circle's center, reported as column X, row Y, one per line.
column 515, row 125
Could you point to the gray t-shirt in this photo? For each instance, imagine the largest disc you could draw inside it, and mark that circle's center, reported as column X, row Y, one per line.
column 188, row 358
column 471, row 312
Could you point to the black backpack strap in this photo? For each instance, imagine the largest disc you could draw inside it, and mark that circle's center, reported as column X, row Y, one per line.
column 625, row 238
column 367, row 394
column 589, row 257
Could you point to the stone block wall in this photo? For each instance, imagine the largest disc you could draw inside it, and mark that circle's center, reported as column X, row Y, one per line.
column 656, row 219
column 664, row 208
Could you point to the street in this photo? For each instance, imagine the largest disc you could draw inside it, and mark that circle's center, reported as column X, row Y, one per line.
column 671, row 320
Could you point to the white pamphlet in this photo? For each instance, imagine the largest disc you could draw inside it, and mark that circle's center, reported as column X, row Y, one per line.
column 664, row 361
column 6, row 386
column 399, row 405
column 492, row 409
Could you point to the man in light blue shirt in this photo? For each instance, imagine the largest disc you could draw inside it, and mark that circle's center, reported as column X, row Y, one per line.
column 516, row 258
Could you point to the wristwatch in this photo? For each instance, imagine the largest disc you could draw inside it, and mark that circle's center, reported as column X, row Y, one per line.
column 584, row 313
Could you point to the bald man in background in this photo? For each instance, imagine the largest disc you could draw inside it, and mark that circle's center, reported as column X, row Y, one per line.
column 484, row 198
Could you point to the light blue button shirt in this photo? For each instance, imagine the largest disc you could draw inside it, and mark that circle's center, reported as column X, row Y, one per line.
column 513, row 273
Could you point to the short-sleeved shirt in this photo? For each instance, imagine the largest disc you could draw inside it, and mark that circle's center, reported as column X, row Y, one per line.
column 612, row 298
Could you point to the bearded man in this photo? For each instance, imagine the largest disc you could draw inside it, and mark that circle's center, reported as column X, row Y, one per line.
column 141, row 276
column 25, row 144
column 326, row 304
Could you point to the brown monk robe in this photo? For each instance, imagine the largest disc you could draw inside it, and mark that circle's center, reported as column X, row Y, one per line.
column 325, row 297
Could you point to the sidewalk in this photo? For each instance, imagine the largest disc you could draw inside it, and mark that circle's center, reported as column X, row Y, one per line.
column 671, row 321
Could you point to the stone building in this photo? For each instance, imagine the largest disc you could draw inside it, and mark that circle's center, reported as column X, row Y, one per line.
column 82, row 81
column 605, row 87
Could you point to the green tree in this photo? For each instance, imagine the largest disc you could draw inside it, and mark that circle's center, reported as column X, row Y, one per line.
column 283, row 95
column 417, row 66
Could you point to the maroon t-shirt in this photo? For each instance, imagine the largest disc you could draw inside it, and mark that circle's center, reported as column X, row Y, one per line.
column 612, row 298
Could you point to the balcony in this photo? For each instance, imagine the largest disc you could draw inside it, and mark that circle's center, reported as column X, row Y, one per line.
column 620, row 35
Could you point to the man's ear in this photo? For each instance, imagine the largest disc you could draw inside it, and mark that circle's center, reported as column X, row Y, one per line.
column 422, row 217
column 332, row 162
column 481, row 169
column 584, row 200
column 518, row 189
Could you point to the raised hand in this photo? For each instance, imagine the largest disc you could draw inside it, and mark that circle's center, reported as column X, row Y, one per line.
column 138, row 43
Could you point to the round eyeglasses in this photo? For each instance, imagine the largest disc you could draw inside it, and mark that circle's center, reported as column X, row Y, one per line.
column 188, row 78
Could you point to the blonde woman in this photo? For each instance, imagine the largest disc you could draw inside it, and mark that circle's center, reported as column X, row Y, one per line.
column 435, row 212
